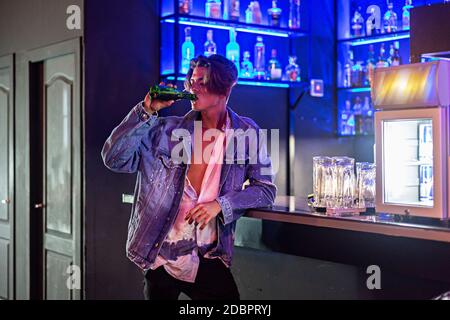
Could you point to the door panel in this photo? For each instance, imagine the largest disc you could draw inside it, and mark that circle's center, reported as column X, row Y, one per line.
column 6, row 178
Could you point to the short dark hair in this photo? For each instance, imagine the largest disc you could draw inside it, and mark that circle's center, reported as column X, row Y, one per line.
column 221, row 76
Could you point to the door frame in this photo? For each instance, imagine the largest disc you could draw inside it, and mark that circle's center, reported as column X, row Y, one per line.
column 8, row 61
column 22, row 168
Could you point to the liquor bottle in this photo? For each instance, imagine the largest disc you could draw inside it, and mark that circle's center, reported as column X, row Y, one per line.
column 234, row 10
column 367, row 114
column 226, row 9
column 294, row 14
column 274, row 14
column 274, row 70
column 347, row 121
column 253, row 13
column 185, row 6
column 396, row 59
column 233, row 49
column 357, row 24
column 187, row 51
column 359, row 122
column 382, row 63
column 357, row 76
column 406, row 14
column 292, row 70
column 260, row 59
column 210, row 45
column 370, row 66
column 168, row 93
column 247, row 66
column 213, row 9
column 391, row 54
column 348, row 70
column 390, row 19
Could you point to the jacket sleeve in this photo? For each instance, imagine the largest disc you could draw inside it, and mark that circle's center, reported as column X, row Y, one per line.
column 261, row 191
column 121, row 151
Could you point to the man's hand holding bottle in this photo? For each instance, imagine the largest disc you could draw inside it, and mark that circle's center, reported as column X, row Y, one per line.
column 154, row 105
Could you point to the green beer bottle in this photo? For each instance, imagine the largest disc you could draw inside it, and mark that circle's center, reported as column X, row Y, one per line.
column 167, row 93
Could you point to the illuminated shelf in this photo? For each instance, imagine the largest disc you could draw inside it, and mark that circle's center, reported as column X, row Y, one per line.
column 384, row 37
column 355, row 89
column 228, row 24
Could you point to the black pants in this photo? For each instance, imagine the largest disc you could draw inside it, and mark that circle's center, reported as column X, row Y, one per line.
column 214, row 281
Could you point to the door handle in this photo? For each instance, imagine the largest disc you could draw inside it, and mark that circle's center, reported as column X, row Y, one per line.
column 39, row 205
column 6, row 201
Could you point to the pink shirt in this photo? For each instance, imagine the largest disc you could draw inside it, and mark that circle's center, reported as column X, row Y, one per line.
column 180, row 250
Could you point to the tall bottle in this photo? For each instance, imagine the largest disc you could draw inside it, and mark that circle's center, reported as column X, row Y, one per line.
column 370, row 66
column 274, row 14
column 226, row 9
column 347, row 120
column 213, row 9
column 274, row 70
column 260, row 59
column 406, row 16
column 234, row 10
column 253, row 13
column 390, row 19
column 396, row 60
column 294, row 14
column 359, row 121
column 185, row 6
column 233, row 49
column 247, row 66
column 382, row 62
column 210, row 45
column 357, row 24
column 187, row 51
column 169, row 93
column 292, row 70
column 348, row 69
column 367, row 114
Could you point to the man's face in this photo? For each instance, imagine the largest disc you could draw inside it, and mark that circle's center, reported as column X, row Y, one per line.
column 205, row 99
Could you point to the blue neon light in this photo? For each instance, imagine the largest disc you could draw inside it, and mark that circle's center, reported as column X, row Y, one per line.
column 355, row 90
column 244, row 82
column 380, row 39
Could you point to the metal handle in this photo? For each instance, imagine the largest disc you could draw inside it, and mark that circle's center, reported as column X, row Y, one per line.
column 39, row 205
column 6, row 201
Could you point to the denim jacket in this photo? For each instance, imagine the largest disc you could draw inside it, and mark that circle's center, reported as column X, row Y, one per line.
column 144, row 143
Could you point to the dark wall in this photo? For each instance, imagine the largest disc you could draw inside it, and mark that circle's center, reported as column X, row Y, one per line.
column 30, row 24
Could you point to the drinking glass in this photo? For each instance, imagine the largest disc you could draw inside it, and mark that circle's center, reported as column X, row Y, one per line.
column 365, row 177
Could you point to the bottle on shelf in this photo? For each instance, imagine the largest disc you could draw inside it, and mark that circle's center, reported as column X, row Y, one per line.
column 390, row 19
column 347, row 120
column 185, row 6
column 169, row 93
column 367, row 114
column 382, row 63
column 253, row 13
column 213, row 9
column 370, row 66
column 226, row 9
column 292, row 70
column 357, row 77
column 260, row 59
column 247, row 66
column 233, row 50
column 274, row 70
column 210, row 45
column 348, row 69
column 406, row 14
column 234, row 10
column 274, row 15
column 187, row 51
column 294, row 14
column 357, row 24
column 357, row 111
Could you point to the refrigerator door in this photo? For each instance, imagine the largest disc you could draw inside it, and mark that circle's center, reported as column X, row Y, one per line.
column 411, row 162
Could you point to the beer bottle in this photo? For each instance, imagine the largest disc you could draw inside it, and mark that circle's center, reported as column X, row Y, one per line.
column 168, row 93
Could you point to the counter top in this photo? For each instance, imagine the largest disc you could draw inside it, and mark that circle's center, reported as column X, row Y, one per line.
column 296, row 210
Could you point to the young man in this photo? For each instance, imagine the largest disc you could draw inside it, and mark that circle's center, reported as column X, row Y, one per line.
column 181, row 230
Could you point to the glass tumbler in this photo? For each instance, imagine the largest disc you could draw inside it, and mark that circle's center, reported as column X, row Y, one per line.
column 365, row 184
column 343, row 171
column 322, row 181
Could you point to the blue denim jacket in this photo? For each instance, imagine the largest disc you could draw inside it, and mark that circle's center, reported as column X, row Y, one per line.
column 143, row 143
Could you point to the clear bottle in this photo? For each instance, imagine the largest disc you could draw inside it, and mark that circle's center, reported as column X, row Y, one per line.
column 210, row 45
column 185, row 6
column 382, row 63
column 390, row 19
column 274, row 15
column 357, row 74
column 406, row 15
column 274, row 70
column 187, row 51
column 359, row 121
column 347, row 121
column 247, row 66
column 370, row 66
column 396, row 60
column 294, row 14
column 348, row 70
column 233, row 50
column 292, row 70
column 357, row 24
column 226, row 9
column 213, row 9
column 260, row 59
column 367, row 114
column 234, row 11
column 391, row 54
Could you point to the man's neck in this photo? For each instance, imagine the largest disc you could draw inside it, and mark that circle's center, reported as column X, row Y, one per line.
column 214, row 117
